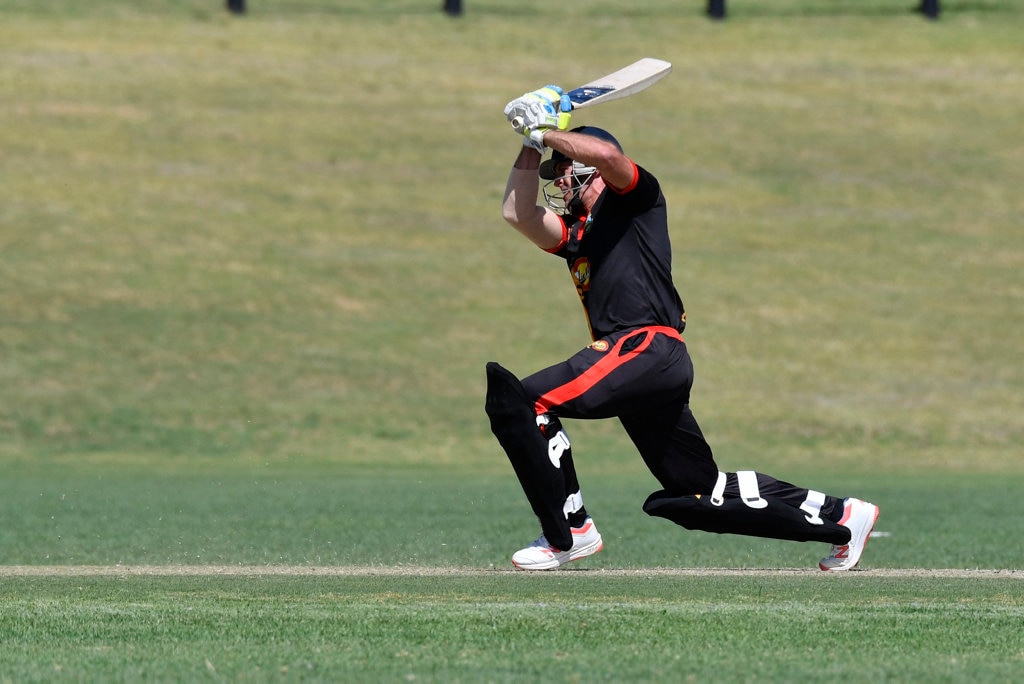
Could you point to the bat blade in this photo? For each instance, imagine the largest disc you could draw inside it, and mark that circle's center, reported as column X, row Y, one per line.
column 638, row 76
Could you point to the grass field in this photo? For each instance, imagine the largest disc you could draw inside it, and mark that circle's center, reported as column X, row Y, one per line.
column 251, row 270
column 503, row 626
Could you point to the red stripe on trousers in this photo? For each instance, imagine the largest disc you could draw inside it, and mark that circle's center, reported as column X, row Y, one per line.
column 586, row 380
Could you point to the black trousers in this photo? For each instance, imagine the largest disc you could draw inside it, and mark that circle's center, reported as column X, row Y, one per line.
column 643, row 377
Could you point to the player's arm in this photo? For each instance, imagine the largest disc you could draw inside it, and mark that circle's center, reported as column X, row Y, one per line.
column 616, row 168
column 520, row 209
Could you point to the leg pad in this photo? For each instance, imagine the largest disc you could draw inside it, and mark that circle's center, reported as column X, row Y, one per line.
column 773, row 520
column 536, row 458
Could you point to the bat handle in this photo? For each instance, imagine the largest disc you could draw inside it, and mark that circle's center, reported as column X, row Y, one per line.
column 517, row 122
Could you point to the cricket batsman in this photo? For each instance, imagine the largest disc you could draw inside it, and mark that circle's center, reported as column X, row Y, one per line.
column 605, row 216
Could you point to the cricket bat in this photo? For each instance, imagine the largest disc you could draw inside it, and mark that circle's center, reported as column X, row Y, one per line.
column 638, row 76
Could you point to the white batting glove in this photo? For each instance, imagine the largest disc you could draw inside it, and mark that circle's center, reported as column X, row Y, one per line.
column 535, row 140
column 534, row 113
column 535, row 109
column 531, row 112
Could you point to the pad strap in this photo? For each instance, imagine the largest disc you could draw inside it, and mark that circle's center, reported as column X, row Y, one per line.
column 557, row 443
column 812, row 506
column 573, row 503
column 718, row 493
column 749, row 491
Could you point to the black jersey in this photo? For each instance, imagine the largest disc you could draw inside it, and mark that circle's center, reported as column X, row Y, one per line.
column 621, row 260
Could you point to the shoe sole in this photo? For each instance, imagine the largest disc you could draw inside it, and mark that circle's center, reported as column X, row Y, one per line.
column 867, row 536
column 590, row 550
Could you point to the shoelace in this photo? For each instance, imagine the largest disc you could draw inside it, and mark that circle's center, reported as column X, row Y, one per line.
column 836, row 548
column 541, row 541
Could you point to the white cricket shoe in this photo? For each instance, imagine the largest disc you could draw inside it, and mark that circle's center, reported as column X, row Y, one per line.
column 586, row 541
column 860, row 517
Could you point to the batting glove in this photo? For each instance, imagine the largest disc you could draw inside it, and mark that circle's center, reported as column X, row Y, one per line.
column 531, row 112
column 560, row 101
column 551, row 93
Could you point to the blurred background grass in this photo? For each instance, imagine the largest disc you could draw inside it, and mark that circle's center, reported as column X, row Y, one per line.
column 272, row 243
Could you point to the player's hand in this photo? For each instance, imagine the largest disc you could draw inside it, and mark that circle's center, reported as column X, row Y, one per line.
column 531, row 117
column 559, row 100
column 542, row 109
column 551, row 93
column 531, row 112
column 535, row 140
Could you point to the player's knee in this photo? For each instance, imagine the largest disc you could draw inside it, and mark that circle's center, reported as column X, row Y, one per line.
column 510, row 410
column 506, row 400
column 683, row 477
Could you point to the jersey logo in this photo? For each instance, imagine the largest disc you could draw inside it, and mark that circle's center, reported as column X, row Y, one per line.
column 581, row 274
column 600, row 345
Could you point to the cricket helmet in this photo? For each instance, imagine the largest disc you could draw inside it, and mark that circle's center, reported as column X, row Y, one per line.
column 556, row 197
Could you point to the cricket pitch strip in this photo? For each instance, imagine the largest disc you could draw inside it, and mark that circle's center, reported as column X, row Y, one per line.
column 10, row 571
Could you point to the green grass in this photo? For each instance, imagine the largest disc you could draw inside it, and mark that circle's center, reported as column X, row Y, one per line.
column 251, row 271
column 278, row 236
column 451, row 517
column 507, row 627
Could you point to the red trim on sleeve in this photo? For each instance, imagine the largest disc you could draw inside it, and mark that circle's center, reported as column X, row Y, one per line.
column 632, row 184
column 564, row 240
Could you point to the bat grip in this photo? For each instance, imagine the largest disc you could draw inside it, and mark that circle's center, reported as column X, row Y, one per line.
column 517, row 122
